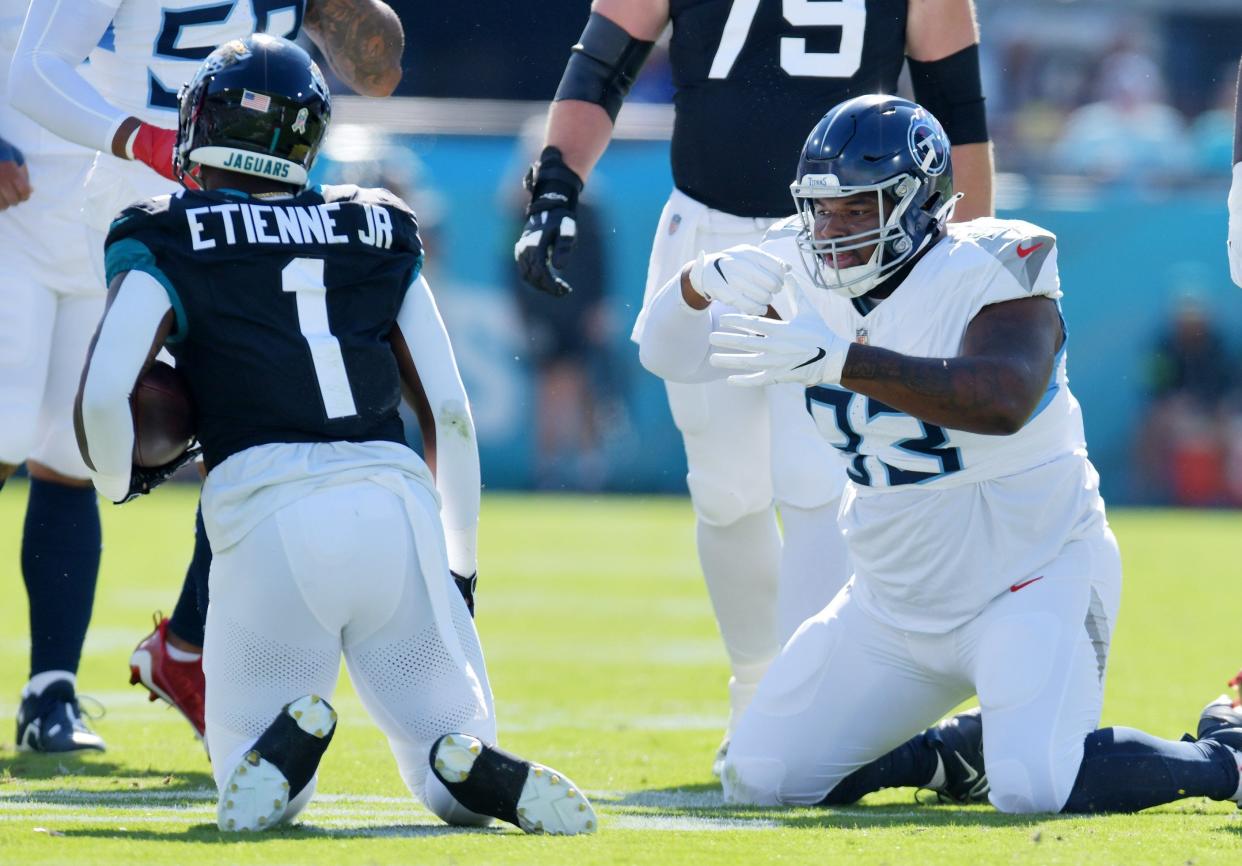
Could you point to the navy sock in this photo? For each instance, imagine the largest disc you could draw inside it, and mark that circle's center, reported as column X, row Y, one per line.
column 190, row 614
column 908, row 766
column 61, row 544
column 1124, row 770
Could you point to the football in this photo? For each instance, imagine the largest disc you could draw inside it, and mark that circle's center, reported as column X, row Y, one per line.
column 163, row 416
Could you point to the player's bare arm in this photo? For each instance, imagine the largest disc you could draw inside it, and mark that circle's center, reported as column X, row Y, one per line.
column 993, row 387
column 942, row 43
column 582, row 129
column 601, row 69
column 362, row 41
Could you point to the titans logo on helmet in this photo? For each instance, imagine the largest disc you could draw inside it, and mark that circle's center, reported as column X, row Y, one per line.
column 928, row 144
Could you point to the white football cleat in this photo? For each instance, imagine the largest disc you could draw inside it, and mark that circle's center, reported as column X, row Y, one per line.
column 490, row 781
column 279, row 765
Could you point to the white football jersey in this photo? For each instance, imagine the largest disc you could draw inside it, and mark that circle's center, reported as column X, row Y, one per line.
column 155, row 46
column 940, row 521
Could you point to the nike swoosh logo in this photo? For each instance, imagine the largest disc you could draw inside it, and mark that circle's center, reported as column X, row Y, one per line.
column 1023, row 252
column 1024, row 584
column 971, row 772
column 716, row 265
column 812, row 360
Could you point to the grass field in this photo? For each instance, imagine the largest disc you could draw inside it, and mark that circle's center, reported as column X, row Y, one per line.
column 605, row 663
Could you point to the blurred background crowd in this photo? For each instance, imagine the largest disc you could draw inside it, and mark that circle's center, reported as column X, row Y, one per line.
column 1113, row 125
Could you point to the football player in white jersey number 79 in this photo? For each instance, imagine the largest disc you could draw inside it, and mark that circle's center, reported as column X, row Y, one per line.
column 933, row 358
column 123, row 104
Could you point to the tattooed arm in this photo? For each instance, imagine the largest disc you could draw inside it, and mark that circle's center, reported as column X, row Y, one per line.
column 362, row 40
column 992, row 387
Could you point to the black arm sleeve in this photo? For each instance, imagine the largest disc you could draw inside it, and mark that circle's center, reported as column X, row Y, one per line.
column 951, row 89
column 603, row 65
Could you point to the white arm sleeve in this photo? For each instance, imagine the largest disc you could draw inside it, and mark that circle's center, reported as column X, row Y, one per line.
column 125, row 336
column 1235, row 225
column 44, row 81
column 457, row 451
column 674, row 343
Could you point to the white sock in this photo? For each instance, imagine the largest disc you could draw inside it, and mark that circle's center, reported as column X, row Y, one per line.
column 41, row 681
column 741, row 563
column 814, row 564
column 180, row 655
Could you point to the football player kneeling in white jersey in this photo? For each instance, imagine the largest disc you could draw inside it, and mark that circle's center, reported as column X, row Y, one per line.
column 933, row 358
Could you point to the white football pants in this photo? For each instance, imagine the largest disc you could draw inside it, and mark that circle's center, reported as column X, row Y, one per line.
column 336, row 572
column 730, row 452
column 52, row 305
column 847, row 689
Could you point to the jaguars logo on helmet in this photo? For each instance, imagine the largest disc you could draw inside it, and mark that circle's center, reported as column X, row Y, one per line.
column 886, row 146
column 257, row 106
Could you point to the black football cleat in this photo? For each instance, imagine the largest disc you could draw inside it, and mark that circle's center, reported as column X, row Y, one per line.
column 277, row 767
column 959, row 743
column 52, row 722
column 490, row 781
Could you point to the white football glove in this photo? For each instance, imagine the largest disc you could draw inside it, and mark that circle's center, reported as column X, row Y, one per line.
column 803, row 350
column 744, row 277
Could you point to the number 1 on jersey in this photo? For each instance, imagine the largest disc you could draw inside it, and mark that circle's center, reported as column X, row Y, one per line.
column 304, row 277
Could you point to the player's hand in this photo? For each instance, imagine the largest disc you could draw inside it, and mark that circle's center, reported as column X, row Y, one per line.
column 466, row 586
column 744, row 277
column 14, row 179
column 153, row 145
column 143, row 480
column 551, row 229
column 803, row 350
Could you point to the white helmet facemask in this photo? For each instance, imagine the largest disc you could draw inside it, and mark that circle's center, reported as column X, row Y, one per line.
column 893, row 245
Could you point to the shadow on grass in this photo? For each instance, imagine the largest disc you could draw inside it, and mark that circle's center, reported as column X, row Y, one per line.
column 209, row 834
column 130, row 783
column 705, row 802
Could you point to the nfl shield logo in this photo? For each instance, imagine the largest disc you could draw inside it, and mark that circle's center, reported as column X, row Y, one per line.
column 860, row 336
column 299, row 122
column 674, row 223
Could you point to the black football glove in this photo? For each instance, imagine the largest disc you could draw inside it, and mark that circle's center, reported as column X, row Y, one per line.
column 144, row 479
column 466, row 586
column 551, row 229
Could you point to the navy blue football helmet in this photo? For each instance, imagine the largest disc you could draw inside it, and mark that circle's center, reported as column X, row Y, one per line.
column 874, row 144
column 257, row 106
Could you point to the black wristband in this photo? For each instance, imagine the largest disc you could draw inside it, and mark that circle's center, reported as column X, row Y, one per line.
column 550, row 177
column 952, row 90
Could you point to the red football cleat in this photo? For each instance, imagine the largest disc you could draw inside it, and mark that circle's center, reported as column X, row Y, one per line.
column 180, row 684
column 1236, row 685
